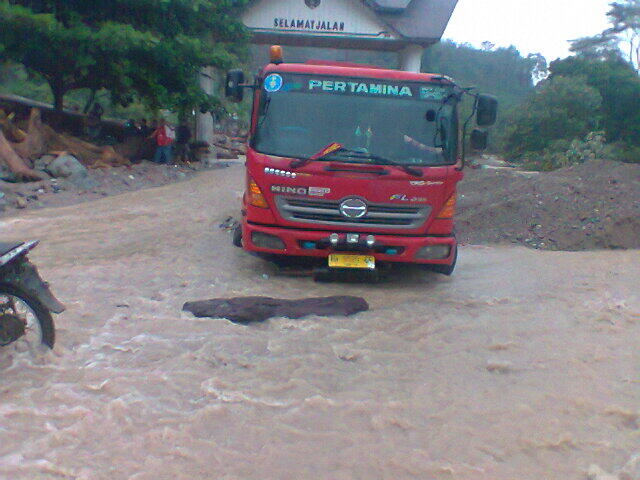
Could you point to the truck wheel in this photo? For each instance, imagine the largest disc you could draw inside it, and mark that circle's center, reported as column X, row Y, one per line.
column 237, row 236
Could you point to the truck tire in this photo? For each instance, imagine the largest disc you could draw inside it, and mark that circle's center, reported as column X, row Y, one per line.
column 237, row 236
column 445, row 269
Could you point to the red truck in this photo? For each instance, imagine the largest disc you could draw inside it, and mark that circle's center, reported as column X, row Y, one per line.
column 354, row 166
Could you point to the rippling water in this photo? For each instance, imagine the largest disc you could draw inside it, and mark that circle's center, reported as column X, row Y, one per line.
column 524, row 365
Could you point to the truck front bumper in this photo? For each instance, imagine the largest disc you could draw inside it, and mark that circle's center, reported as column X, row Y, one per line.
column 429, row 250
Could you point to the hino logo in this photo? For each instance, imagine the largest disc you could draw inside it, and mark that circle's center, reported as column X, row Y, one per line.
column 289, row 190
column 353, row 208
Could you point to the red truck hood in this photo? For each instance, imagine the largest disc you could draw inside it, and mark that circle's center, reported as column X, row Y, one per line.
column 311, row 196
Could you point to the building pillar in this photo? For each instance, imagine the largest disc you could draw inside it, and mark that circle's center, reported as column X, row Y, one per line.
column 411, row 58
column 204, row 121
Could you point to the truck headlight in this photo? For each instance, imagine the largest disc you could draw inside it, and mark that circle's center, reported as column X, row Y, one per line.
column 434, row 252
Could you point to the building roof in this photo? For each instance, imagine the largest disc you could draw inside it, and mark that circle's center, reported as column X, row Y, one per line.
column 395, row 6
column 416, row 19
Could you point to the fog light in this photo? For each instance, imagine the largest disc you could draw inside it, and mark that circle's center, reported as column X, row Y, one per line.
column 353, row 238
column 434, row 252
column 309, row 245
column 371, row 241
column 334, row 239
column 264, row 240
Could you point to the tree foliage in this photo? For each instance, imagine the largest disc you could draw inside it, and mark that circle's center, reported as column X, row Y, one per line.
column 502, row 72
column 618, row 85
column 596, row 90
column 561, row 108
column 624, row 17
column 149, row 49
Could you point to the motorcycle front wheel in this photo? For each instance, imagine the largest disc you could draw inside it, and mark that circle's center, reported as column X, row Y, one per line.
column 38, row 322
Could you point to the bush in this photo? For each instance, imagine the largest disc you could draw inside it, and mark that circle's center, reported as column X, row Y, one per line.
column 560, row 110
column 562, row 153
column 624, row 152
column 619, row 86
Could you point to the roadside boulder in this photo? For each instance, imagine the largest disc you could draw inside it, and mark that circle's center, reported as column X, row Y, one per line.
column 65, row 166
column 245, row 310
column 69, row 168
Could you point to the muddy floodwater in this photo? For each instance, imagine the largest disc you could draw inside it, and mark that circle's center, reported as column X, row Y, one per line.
column 524, row 365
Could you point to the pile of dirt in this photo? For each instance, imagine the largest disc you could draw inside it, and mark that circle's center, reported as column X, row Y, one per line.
column 586, row 206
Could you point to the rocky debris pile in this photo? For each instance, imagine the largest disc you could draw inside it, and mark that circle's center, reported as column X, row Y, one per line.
column 23, row 144
column 229, row 147
column 591, row 205
column 245, row 310
column 85, row 185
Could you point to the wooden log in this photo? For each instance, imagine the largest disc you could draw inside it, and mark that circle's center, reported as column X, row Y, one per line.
column 9, row 156
column 37, row 138
column 13, row 133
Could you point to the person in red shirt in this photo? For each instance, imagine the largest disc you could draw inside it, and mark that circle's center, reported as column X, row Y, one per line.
column 164, row 136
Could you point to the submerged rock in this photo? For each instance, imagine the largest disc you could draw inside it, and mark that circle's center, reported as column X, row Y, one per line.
column 257, row 309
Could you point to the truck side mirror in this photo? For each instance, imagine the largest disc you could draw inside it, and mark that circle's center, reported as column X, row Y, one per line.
column 479, row 139
column 234, row 88
column 487, row 110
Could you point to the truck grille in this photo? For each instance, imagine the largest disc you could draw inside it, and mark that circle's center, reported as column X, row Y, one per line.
column 327, row 212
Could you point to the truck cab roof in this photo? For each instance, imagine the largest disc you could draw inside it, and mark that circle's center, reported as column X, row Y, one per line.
column 344, row 69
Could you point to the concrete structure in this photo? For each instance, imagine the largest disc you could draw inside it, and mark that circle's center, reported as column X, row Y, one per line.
column 403, row 26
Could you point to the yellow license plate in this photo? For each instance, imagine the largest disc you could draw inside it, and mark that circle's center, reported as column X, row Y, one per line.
column 352, row 261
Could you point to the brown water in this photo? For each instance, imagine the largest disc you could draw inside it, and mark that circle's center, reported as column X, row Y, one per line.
column 524, row 365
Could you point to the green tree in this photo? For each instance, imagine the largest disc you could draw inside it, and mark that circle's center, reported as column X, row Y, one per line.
column 624, row 17
column 618, row 85
column 560, row 109
column 502, row 72
column 149, row 49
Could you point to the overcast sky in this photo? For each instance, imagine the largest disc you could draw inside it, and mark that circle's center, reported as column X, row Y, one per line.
column 531, row 25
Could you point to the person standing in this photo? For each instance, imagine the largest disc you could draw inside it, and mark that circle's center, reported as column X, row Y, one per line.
column 145, row 130
column 183, row 137
column 164, row 136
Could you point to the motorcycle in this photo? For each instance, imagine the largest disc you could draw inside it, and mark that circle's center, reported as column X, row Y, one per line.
column 26, row 303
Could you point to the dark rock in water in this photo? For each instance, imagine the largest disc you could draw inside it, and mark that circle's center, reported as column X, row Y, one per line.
column 257, row 309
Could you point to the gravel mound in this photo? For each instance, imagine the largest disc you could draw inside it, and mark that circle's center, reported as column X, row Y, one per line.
column 594, row 205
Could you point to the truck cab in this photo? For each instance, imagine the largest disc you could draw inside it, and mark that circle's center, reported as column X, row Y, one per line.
column 356, row 166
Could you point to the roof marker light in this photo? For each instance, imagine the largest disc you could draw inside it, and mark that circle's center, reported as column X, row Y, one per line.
column 275, row 54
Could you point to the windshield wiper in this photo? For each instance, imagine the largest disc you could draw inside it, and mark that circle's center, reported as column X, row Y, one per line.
column 328, row 150
column 382, row 161
column 336, row 148
column 265, row 110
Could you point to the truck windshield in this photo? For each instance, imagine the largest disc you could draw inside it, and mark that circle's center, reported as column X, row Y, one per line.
column 376, row 120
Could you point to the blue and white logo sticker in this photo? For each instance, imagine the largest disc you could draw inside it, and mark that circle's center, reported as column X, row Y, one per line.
column 273, row 83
